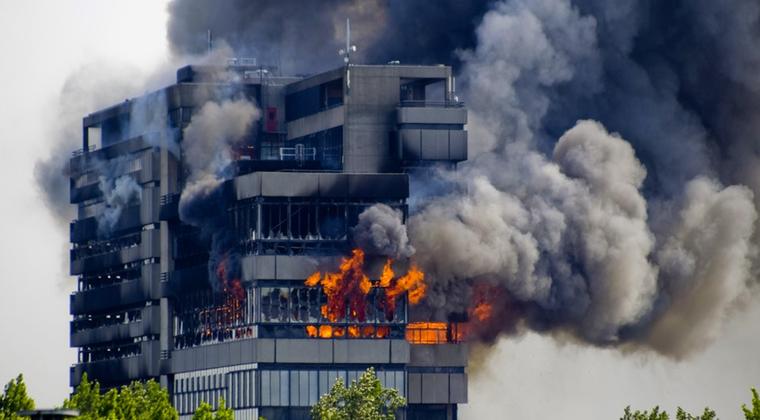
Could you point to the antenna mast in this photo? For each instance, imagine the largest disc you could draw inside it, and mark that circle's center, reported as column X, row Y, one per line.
column 346, row 53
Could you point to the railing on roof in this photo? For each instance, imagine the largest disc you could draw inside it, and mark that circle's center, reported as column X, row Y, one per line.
column 169, row 199
column 431, row 104
column 81, row 151
column 241, row 61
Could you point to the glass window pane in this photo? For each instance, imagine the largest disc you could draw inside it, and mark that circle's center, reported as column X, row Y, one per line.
column 303, row 388
column 294, row 387
column 400, row 382
column 324, row 382
column 284, row 388
column 265, row 388
column 313, row 387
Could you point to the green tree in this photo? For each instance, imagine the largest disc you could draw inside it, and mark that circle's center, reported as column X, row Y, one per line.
column 138, row 400
column 752, row 413
column 655, row 414
column 707, row 414
column 205, row 412
column 15, row 399
column 363, row 399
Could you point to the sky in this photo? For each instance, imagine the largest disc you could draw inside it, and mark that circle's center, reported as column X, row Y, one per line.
column 525, row 377
column 42, row 43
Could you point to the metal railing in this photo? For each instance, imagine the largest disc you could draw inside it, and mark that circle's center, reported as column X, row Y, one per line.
column 431, row 104
column 169, row 199
column 80, row 152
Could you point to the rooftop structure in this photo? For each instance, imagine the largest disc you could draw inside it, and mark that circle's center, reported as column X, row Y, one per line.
column 271, row 337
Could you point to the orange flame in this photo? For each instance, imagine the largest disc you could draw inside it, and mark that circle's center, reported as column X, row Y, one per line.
column 435, row 332
column 482, row 311
column 220, row 318
column 382, row 332
column 311, row 331
column 368, row 331
column 347, row 289
column 325, row 331
column 387, row 276
column 353, row 331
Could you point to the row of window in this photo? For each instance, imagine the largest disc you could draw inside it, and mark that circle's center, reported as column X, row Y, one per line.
column 108, row 278
column 88, row 321
column 269, row 388
column 304, row 305
column 93, row 248
column 114, row 349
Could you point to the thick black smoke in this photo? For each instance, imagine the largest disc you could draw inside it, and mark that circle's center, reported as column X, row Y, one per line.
column 635, row 225
column 207, row 150
column 614, row 179
column 304, row 36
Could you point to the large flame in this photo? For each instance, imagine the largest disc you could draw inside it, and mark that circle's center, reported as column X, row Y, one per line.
column 347, row 289
column 412, row 282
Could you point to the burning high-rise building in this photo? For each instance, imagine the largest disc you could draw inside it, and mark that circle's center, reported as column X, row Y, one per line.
column 240, row 235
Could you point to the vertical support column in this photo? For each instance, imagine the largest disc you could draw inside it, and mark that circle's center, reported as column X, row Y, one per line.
column 168, row 185
column 259, row 227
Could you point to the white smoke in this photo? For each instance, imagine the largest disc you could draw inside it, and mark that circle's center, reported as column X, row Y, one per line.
column 117, row 194
column 705, row 263
column 207, row 146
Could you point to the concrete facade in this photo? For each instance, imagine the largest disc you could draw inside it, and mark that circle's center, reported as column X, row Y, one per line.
column 326, row 148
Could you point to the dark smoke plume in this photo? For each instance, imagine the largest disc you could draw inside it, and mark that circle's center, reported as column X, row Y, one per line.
column 207, row 150
column 614, row 179
column 590, row 241
column 381, row 231
column 304, row 36
column 613, row 184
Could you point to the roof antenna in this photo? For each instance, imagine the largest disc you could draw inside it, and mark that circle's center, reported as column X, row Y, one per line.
column 209, row 39
column 346, row 53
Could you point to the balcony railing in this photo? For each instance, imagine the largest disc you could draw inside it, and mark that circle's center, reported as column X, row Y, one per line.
column 431, row 104
column 80, row 152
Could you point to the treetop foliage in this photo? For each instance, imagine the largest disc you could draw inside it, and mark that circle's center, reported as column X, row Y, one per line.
column 205, row 412
column 656, row 414
column 753, row 412
column 362, row 399
column 15, row 399
column 138, row 401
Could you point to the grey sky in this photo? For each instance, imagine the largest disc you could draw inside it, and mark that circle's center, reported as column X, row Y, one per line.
column 42, row 43
column 529, row 377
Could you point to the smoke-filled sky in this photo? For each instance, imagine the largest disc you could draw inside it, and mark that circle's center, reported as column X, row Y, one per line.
column 631, row 231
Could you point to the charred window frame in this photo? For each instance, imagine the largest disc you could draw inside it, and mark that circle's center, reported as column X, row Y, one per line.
column 296, row 226
column 302, row 305
column 204, row 317
column 108, row 278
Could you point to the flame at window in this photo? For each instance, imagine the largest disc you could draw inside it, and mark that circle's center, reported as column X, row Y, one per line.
column 347, row 290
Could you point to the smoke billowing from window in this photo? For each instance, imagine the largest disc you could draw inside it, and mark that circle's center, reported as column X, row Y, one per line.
column 207, row 150
column 614, row 178
column 613, row 181
column 304, row 36
column 381, row 231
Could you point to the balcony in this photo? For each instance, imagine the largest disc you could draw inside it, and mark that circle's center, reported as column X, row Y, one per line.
column 431, row 112
column 418, row 145
column 85, row 260
column 120, row 370
column 147, row 322
column 127, row 293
